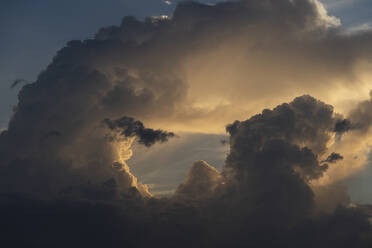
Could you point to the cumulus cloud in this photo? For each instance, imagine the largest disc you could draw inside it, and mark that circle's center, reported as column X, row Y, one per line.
column 201, row 181
column 275, row 154
column 203, row 67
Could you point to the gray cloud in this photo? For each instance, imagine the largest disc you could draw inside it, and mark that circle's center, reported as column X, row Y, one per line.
column 333, row 158
column 128, row 127
column 275, row 154
column 342, row 126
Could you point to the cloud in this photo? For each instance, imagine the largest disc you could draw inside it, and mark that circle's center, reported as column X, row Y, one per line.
column 352, row 140
column 16, row 82
column 359, row 118
column 364, row 27
column 267, row 58
column 123, row 72
column 360, row 115
column 333, row 158
column 335, row 4
column 263, row 196
column 342, row 126
column 274, row 155
column 205, row 66
column 201, row 181
column 128, row 127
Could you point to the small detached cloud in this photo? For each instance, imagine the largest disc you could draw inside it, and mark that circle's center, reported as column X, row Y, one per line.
column 129, row 127
column 333, row 158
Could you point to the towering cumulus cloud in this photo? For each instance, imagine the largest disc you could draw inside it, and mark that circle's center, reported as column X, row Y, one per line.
column 64, row 180
column 276, row 154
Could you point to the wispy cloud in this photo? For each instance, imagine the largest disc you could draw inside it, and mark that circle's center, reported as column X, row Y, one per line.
column 338, row 4
column 364, row 27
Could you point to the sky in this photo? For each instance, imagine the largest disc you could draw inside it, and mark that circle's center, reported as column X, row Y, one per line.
column 194, row 124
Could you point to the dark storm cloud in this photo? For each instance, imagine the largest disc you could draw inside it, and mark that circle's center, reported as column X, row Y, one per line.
column 274, row 155
column 305, row 120
column 342, row 126
column 263, row 196
column 333, row 158
column 128, row 127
